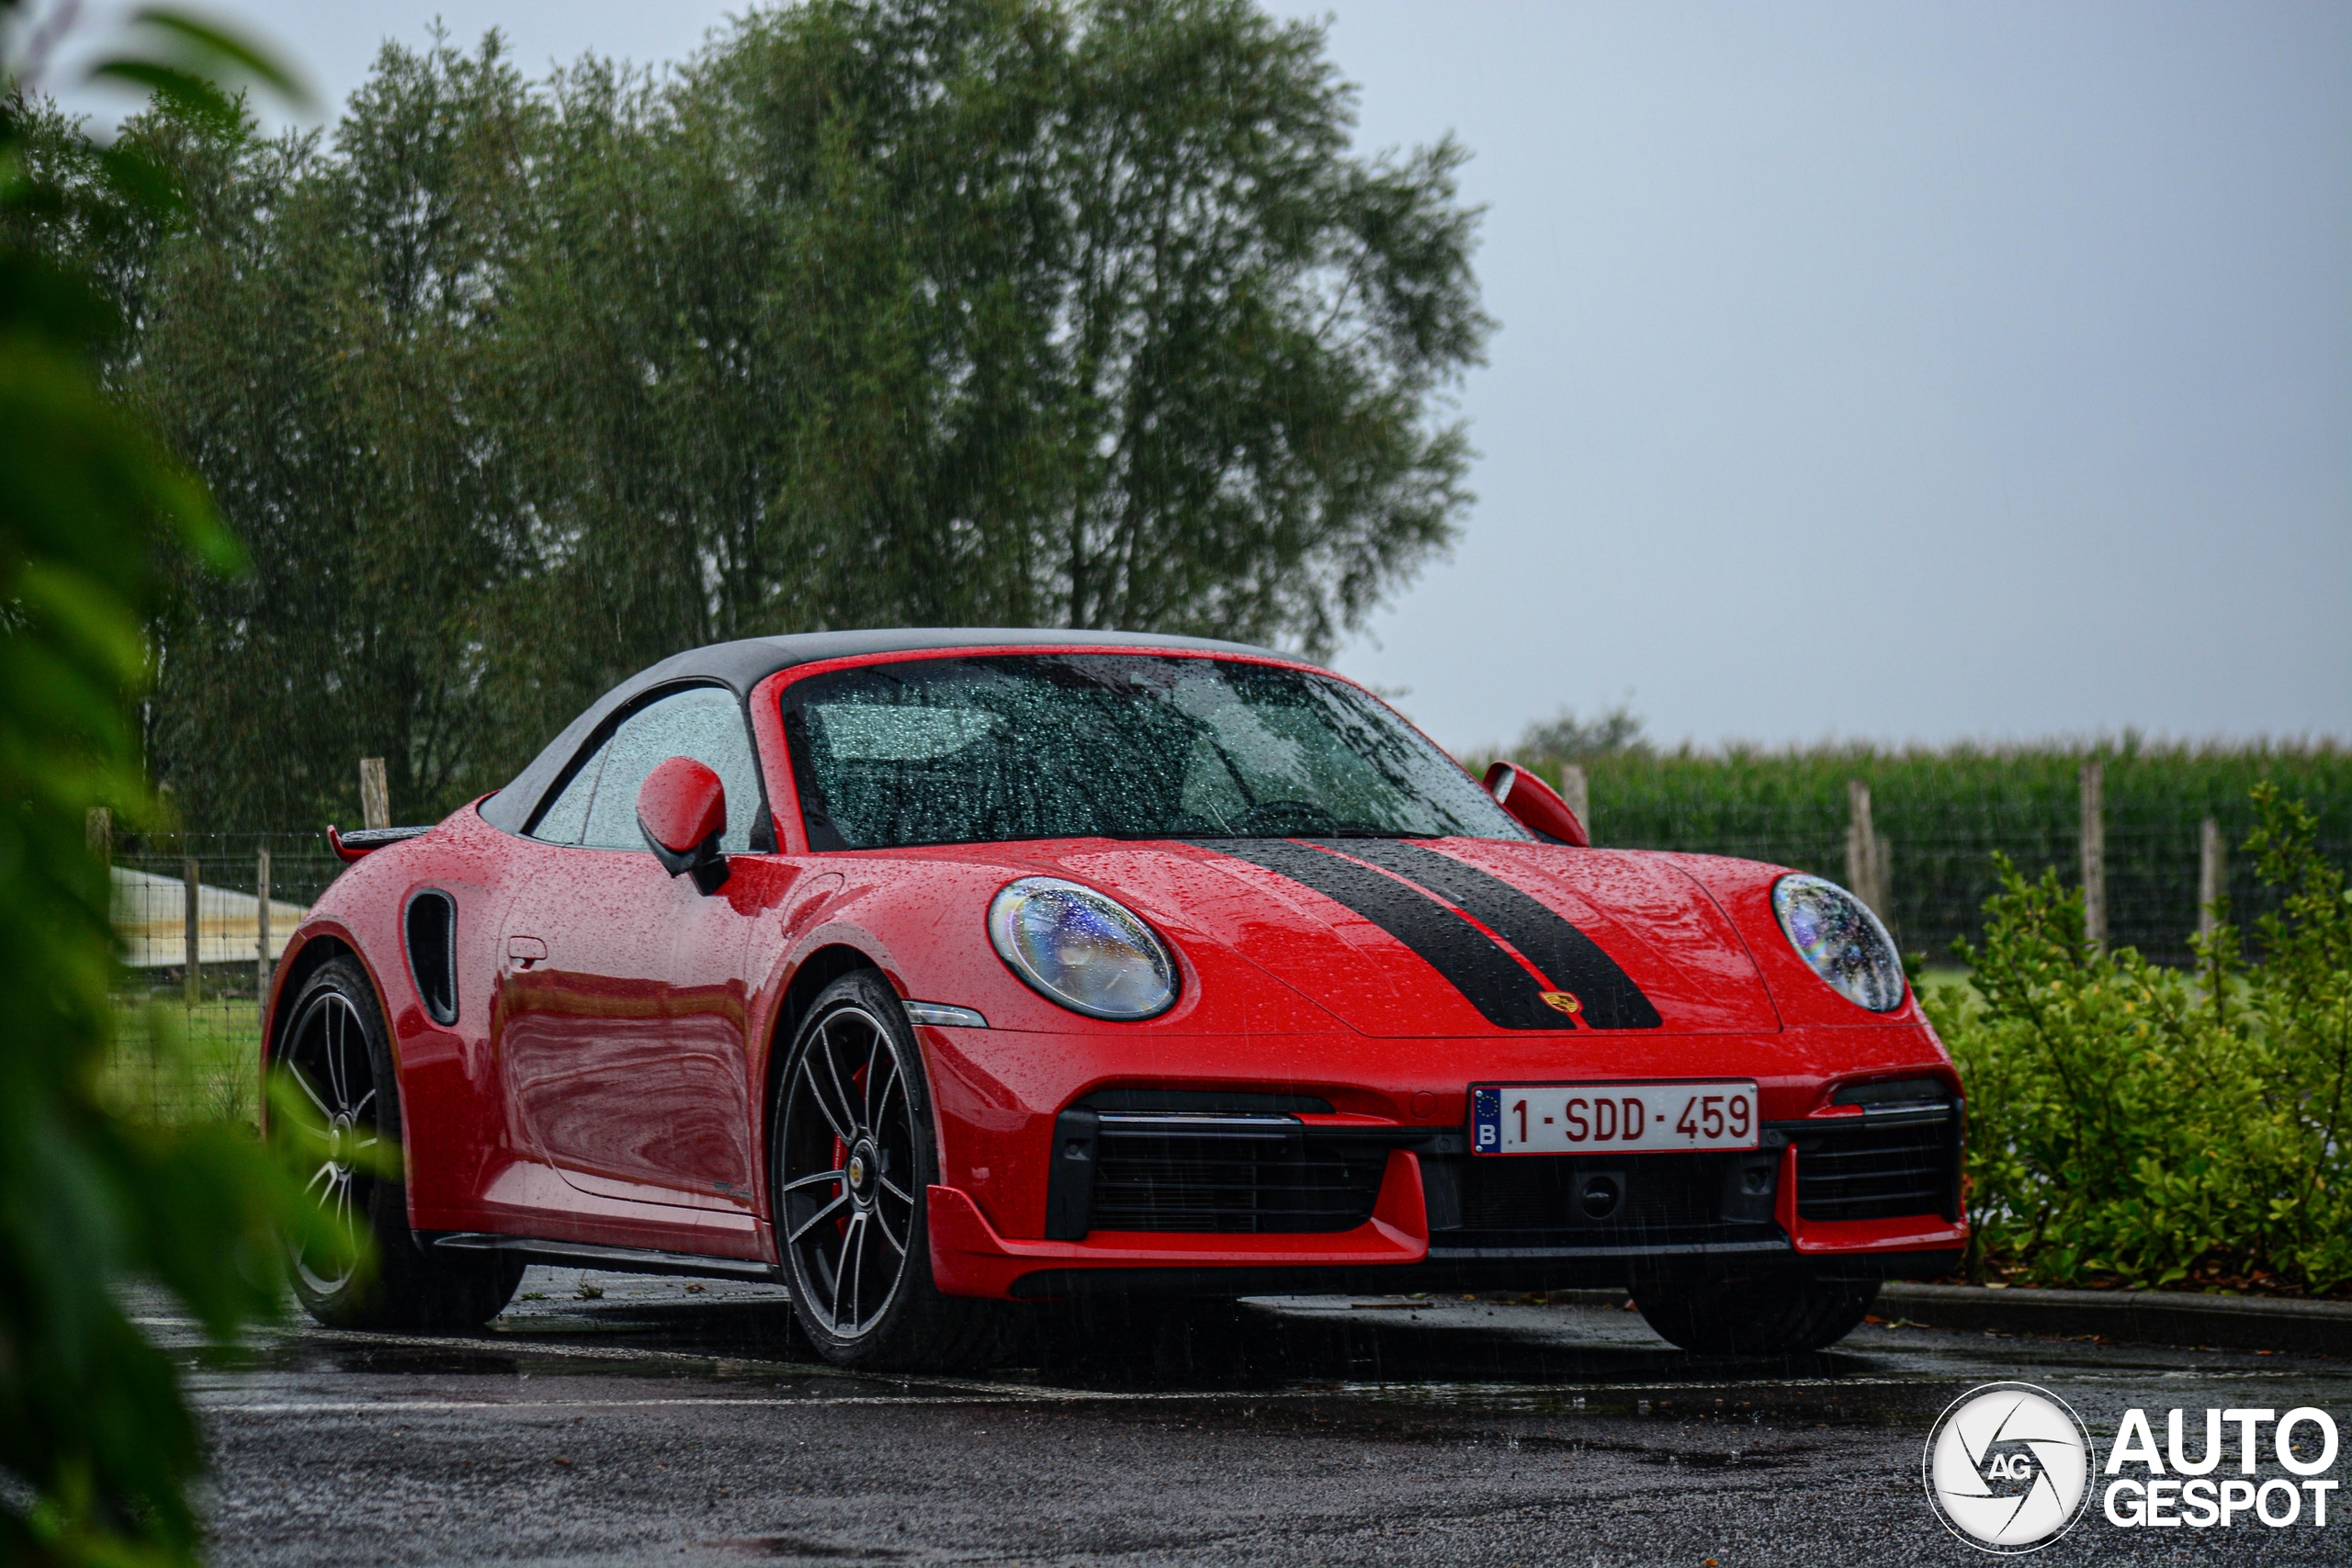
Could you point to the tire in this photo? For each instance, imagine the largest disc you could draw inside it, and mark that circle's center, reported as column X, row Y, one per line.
column 338, row 1054
column 851, row 1155
column 1776, row 1314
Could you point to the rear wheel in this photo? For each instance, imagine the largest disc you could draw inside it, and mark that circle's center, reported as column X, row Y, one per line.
column 850, row 1161
column 336, row 1056
column 1775, row 1314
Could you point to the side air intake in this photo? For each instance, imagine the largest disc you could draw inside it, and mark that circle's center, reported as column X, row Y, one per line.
column 431, row 933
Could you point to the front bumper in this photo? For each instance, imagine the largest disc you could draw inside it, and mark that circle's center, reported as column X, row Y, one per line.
column 1397, row 1248
column 1315, row 1186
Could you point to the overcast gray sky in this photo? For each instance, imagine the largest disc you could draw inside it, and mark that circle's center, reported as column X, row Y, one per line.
column 1920, row 371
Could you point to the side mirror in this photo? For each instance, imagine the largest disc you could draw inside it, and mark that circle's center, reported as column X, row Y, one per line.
column 1537, row 805
column 682, row 811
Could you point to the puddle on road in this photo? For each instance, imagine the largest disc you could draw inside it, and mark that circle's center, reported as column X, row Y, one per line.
column 1393, row 1368
column 1408, row 1405
column 799, row 1546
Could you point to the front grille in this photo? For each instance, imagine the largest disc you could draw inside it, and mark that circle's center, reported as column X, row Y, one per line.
column 1232, row 1185
column 1877, row 1173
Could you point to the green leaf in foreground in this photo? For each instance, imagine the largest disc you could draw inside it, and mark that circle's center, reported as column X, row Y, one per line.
column 97, row 1446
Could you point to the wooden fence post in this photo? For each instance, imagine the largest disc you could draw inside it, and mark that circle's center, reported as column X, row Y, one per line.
column 261, row 939
column 375, row 795
column 1867, row 854
column 2094, row 779
column 1857, row 839
column 1577, row 794
column 2212, row 875
column 192, row 889
column 98, row 831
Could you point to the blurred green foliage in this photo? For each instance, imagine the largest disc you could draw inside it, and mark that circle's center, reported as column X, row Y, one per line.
column 875, row 312
column 2132, row 1123
column 95, row 1446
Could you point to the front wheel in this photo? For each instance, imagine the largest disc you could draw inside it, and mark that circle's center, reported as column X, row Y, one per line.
column 850, row 1161
column 1777, row 1315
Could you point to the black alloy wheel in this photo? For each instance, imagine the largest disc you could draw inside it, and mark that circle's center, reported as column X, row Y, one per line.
column 346, row 1135
column 847, row 1215
column 326, row 1057
column 851, row 1164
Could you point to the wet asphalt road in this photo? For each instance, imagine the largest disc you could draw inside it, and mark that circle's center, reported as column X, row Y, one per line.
column 663, row 1423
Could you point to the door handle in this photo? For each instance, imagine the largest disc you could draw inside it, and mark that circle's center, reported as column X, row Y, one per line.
column 525, row 951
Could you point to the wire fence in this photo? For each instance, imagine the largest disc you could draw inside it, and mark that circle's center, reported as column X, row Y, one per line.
column 1938, row 865
column 1943, row 814
column 194, row 969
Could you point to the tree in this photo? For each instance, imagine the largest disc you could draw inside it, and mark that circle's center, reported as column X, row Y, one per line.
column 314, row 346
column 1567, row 739
column 975, row 311
column 1065, row 316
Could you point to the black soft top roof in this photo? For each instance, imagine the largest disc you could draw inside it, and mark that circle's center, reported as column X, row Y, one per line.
column 741, row 665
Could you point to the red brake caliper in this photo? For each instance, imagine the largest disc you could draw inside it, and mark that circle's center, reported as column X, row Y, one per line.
column 841, row 1153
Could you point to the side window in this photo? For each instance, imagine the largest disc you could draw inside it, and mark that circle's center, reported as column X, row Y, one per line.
column 702, row 722
column 563, row 821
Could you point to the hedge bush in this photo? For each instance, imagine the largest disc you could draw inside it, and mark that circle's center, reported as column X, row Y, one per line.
column 2130, row 1124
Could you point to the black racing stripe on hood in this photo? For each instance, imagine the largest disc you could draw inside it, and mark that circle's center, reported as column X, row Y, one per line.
column 1494, row 982
column 1571, row 959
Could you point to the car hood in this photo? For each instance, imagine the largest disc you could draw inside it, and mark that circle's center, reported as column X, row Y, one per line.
column 1448, row 937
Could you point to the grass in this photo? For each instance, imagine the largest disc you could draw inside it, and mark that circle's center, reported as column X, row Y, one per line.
column 178, row 1064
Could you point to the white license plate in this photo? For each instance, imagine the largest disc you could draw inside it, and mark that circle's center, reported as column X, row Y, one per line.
column 1612, row 1118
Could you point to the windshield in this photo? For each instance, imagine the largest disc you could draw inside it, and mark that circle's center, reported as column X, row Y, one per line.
column 1125, row 746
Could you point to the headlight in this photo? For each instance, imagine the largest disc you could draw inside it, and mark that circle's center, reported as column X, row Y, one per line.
column 1836, row 933
column 1081, row 949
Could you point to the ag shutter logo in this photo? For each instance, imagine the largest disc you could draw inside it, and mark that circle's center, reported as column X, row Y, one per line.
column 2008, row 1467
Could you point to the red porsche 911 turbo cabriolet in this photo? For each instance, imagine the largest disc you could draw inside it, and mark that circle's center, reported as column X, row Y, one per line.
column 933, row 972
